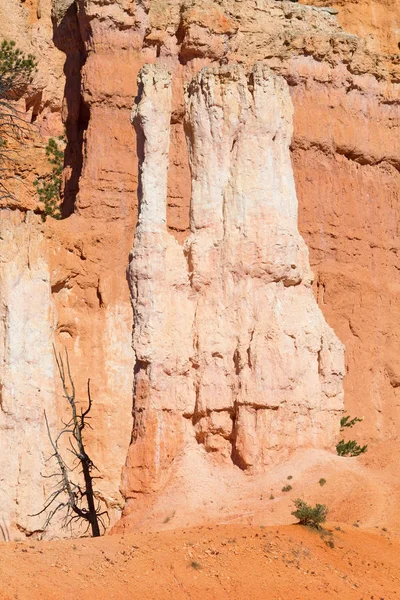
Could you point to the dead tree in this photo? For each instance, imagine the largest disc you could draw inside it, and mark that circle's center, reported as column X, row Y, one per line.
column 79, row 501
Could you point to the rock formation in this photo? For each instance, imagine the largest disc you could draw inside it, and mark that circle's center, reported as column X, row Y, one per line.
column 377, row 19
column 231, row 347
column 27, row 377
column 344, row 152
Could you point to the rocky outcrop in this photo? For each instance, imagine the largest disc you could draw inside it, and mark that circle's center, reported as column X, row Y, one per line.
column 344, row 153
column 231, row 347
column 377, row 19
column 46, row 295
column 27, row 377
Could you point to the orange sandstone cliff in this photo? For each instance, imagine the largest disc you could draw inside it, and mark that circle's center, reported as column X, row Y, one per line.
column 227, row 402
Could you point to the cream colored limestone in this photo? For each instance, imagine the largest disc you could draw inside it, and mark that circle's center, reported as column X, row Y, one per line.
column 230, row 344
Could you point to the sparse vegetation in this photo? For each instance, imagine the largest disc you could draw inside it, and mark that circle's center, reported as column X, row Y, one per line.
column 168, row 518
column 290, row 477
column 286, row 488
column 195, row 565
column 16, row 73
column 49, row 186
column 272, row 497
column 308, row 515
column 348, row 422
column 16, row 70
column 350, row 448
column 322, row 481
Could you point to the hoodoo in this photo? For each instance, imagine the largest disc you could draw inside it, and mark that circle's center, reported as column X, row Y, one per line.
column 264, row 158
column 234, row 359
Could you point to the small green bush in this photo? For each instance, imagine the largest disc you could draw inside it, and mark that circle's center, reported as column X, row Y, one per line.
column 286, row 488
column 309, row 516
column 49, row 187
column 16, row 73
column 347, row 422
column 16, row 70
column 350, row 448
column 322, row 481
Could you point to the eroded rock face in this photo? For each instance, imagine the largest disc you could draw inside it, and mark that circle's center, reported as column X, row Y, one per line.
column 27, row 377
column 377, row 19
column 344, row 151
column 231, row 347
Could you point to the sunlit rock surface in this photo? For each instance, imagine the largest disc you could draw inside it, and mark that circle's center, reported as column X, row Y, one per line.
column 231, row 347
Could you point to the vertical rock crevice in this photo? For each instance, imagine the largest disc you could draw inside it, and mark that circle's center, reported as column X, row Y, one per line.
column 67, row 37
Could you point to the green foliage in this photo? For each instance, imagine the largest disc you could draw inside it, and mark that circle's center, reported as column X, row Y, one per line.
column 309, row 516
column 16, row 72
column 322, row 481
column 16, row 69
column 49, row 186
column 347, row 422
column 286, row 488
column 350, row 448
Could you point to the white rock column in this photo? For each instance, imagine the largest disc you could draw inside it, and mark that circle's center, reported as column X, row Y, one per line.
column 260, row 334
column 163, row 314
column 231, row 347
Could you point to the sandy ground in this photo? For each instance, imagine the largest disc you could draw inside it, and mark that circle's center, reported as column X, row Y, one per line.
column 245, row 548
column 218, row 562
column 363, row 490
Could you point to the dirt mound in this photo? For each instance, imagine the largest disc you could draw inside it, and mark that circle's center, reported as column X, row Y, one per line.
column 365, row 490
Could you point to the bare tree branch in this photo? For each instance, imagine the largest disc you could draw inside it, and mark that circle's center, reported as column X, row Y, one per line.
column 73, row 493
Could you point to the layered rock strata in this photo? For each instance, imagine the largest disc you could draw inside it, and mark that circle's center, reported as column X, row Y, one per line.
column 231, row 347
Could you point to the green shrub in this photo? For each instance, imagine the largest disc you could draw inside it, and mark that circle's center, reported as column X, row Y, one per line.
column 347, row 422
column 286, row 488
column 322, row 481
column 16, row 70
column 350, row 448
column 309, row 516
column 49, row 186
column 16, row 73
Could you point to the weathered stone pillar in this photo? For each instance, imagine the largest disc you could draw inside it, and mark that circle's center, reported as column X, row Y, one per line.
column 231, row 348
